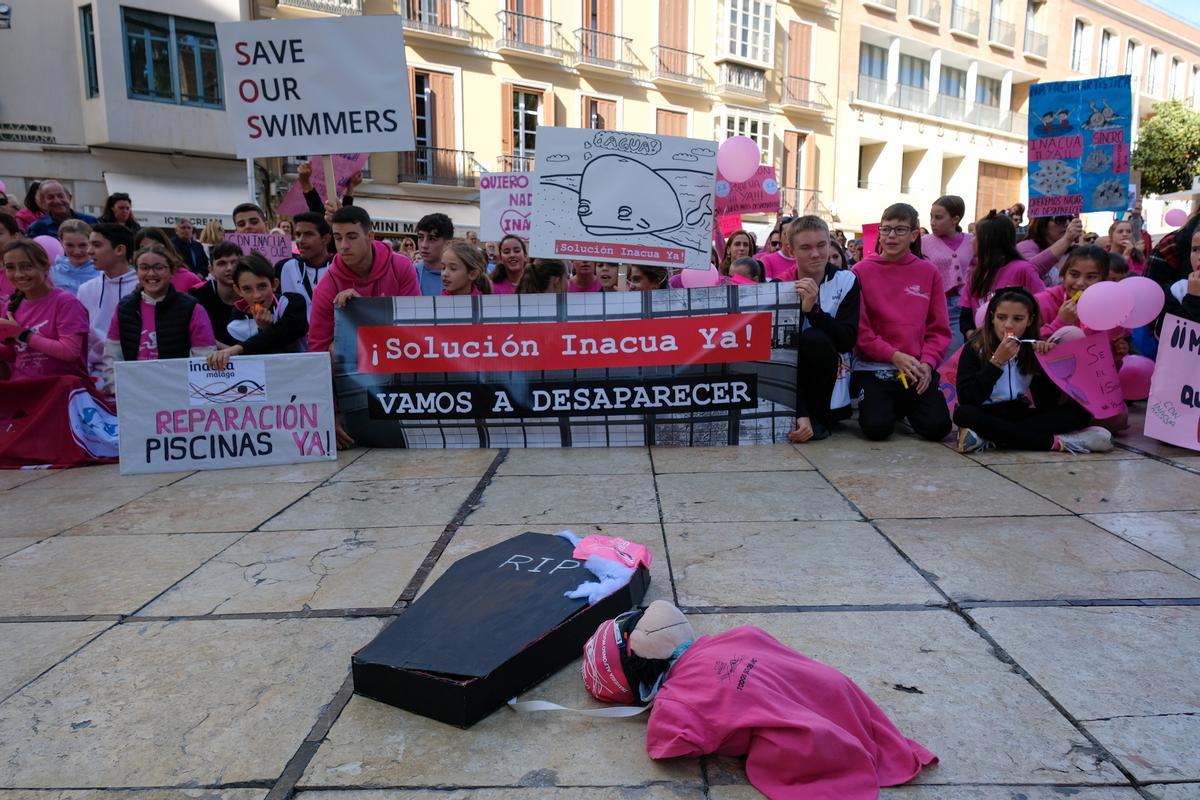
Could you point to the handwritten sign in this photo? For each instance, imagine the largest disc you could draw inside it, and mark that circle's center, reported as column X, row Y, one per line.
column 1079, row 146
column 344, row 165
column 759, row 193
column 1173, row 410
column 505, row 205
column 1084, row 369
column 274, row 247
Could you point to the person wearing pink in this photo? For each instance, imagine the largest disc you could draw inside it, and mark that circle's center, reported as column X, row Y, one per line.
column 43, row 332
column 10, row 231
column 997, row 265
column 780, row 265
column 951, row 251
column 510, row 265
column 31, row 210
column 584, row 278
column 738, row 245
column 903, row 334
column 1047, row 242
column 1120, row 241
column 464, row 270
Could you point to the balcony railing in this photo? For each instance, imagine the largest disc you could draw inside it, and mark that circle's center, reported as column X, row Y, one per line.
column 964, row 20
column 928, row 10
column 802, row 201
column 910, row 98
column 874, row 90
column 603, row 49
column 742, row 79
column 803, row 92
column 438, row 166
column 435, row 17
column 344, row 7
column 518, row 162
column 1036, row 43
column 1001, row 32
column 672, row 64
column 948, row 107
column 533, row 34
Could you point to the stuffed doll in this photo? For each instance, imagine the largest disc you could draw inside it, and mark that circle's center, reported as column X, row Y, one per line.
column 807, row 731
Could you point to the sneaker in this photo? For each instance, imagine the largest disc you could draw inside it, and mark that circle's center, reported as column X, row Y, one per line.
column 971, row 442
column 1089, row 440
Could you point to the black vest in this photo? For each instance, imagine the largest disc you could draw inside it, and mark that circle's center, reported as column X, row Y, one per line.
column 172, row 316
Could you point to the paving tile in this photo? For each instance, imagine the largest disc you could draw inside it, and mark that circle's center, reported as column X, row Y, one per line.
column 941, row 685
column 755, row 458
column 386, row 464
column 13, row 545
column 790, row 563
column 140, row 794
column 1154, row 748
column 1188, row 462
column 1173, row 536
column 241, row 506
column 11, row 478
column 104, row 476
column 170, row 704
column 849, row 452
column 99, row 575
column 598, row 461
column 27, row 511
column 611, row 498
column 751, row 497
column 654, row 792
column 1134, row 436
column 1093, row 487
column 1005, row 456
column 960, row 793
column 308, row 472
column 1034, row 558
column 376, row 504
column 1175, row 791
column 373, row 744
column 941, row 492
column 299, row 570
column 30, row 648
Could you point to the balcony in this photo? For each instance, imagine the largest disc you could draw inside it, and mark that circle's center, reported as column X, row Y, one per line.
column 798, row 202
column 742, row 80
column 1036, row 44
column 604, row 50
column 949, row 107
column 528, row 35
column 964, row 21
column 1002, row 33
column 802, row 93
column 435, row 19
column 438, row 166
column 927, row 12
column 912, row 98
column 885, row 5
column 341, row 7
column 677, row 66
column 518, row 162
column 829, row 7
column 954, row 109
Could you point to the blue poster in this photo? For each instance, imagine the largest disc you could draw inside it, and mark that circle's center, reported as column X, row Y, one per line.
column 1079, row 146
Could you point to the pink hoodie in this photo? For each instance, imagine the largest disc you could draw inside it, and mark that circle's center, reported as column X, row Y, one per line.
column 392, row 275
column 903, row 310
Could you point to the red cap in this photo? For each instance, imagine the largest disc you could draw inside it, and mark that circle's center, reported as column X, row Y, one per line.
column 603, row 675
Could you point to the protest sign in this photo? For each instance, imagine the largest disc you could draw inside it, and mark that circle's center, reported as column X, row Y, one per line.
column 59, row 421
column 1079, row 136
column 344, row 165
column 700, row 367
column 505, row 205
column 758, row 194
column 870, row 238
column 1084, row 369
column 627, row 197
column 274, row 247
column 177, row 414
column 727, row 224
column 1173, row 410
column 285, row 96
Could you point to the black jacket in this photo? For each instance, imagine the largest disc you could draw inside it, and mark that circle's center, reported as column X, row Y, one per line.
column 282, row 337
column 977, row 379
column 193, row 255
column 172, row 321
column 841, row 294
column 218, row 311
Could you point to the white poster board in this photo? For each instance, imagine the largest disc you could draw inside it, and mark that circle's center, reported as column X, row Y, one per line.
column 633, row 198
column 274, row 247
column 177, row 414
column 505, row 205
column 296, row 87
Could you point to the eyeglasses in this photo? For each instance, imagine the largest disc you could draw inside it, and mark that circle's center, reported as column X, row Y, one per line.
column 1062, row 219
column 153, row 268
column 899, row 230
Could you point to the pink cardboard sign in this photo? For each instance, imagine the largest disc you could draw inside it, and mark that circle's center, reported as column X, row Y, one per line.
column 1084, row 369
column 728, row 223
column 344, row 165
column 759, row 193
column 870, row 237
column 274, row 247
column 1173, row 410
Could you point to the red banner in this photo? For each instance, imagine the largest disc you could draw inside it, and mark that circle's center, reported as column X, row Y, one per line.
column 716, row 339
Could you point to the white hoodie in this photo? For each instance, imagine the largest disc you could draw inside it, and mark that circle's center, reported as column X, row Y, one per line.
column 100, row 296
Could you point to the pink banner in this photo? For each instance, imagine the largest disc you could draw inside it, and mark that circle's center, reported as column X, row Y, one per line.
column 344, row 165
column 870, row 237
column 728, row 223
column 1053, row 206
column 759, row 193
column 1084, row 369
column 1173, row 410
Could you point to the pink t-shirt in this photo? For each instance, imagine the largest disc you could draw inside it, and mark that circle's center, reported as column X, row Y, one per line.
column 779, row 267
column 200, row 332
column 185, row 280
column 54, row 316
column 503, row 287
column 593, row 287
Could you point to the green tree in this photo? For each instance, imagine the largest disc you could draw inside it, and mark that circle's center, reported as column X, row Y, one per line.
column 1168, row 149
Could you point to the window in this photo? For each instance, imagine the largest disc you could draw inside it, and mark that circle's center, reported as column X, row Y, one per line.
column 87, row 35
column 872, row 61
column 914, row 72
column 751, row 23
column 987, row 91
column 525, row 107
column 743, row 125
column 1153, row 70
column 1108, row 53
column 1195, row 95
column 171, row 59
column 598, row 114
column 1175, row 80
column 670, row 123
column 953, row 83
column 1081, row 45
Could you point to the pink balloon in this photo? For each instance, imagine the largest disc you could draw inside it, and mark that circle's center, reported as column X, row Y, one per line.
column 1148, row 301
column 738, row 158
column 1175, row 217
column 1135, row 375
column 698, row 278
column 1104, row 306
column 50, row 245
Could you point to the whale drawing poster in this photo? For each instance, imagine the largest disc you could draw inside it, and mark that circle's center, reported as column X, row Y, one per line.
column 632, row 198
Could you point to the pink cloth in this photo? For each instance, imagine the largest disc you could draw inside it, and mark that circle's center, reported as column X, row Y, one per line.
column 1042, row 260
column 903, row 310
column 807, row 731
column 392, row 275
column 1050, row 301
column 200, row 332
column 185, row 280
column 6, row 290
column 1014, row 273
column 59, row 343
column 779, row 267
column 25, row 218
column 474, row 292
column 503, row 287
column 741, row 280
column 952, row 256
column 593, row 287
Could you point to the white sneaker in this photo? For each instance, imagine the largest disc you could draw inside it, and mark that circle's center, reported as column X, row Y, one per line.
column 971, row 442
column 1089, row 440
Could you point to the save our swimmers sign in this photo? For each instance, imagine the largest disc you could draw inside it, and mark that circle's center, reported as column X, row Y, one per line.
column 179, row 414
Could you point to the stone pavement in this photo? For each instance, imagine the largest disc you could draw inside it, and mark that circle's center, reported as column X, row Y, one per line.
column 1032, row 618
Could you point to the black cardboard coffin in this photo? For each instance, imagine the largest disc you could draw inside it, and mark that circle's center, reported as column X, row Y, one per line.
column 493, row 625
